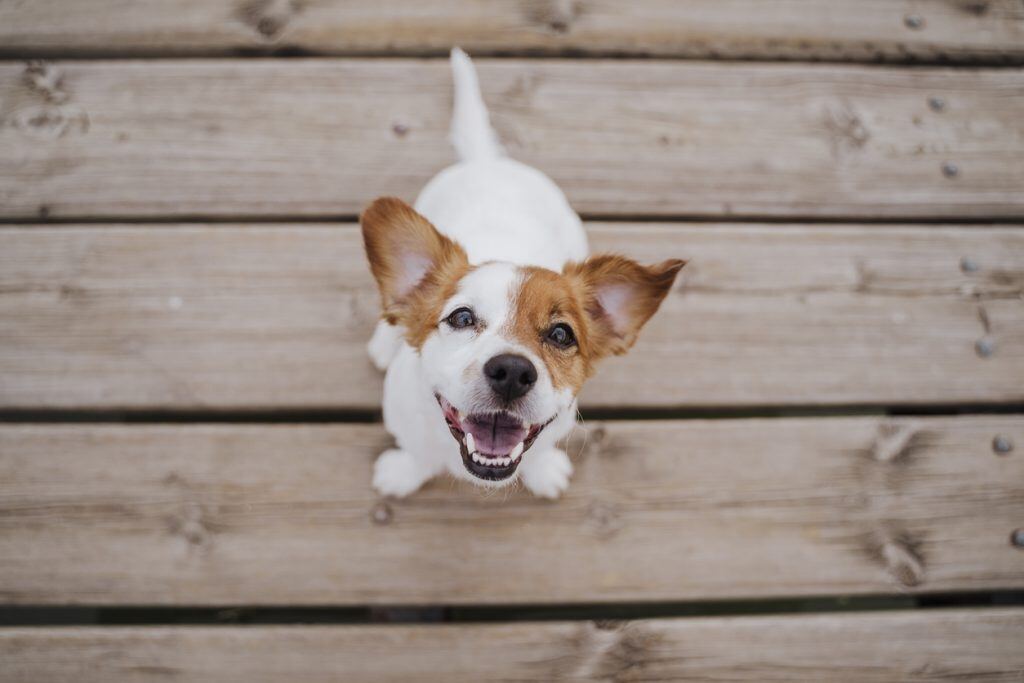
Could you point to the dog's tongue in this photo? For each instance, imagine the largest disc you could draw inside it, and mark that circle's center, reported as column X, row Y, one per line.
column 495, row 434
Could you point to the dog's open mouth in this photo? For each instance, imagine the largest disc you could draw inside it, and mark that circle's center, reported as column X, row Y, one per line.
column 492, row 444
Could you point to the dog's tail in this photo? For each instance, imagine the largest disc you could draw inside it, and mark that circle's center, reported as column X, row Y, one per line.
column 471, row 133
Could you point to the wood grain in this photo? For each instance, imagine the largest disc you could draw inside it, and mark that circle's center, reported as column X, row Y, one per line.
column 948, row 30
column 937, row 645
column 194, row 317
column 649, row 138
column 657, row 511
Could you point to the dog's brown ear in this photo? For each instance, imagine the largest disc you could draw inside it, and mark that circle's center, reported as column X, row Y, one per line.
column 620, row 295
column 406, row 253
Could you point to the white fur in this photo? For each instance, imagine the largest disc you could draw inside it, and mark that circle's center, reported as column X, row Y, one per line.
column 502, row 211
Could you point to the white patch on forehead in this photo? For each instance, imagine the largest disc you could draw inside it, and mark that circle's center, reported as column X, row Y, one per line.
column 489, row 290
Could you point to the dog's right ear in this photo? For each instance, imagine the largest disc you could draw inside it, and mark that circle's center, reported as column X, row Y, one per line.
column 407, row 254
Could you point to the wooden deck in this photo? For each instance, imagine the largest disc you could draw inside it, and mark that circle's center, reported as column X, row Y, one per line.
column 827, row 415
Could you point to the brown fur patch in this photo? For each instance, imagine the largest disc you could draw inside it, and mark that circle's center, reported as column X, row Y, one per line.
column 546, row 298
column 639, row 290
column 399, row 244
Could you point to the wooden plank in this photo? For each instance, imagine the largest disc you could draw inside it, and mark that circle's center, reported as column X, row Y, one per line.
column 934, row 645
column 322, row 138
column 693, row 510
column 959, row 31
column 229, row 317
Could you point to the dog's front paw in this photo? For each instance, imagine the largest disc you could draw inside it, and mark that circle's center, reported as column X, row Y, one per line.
column 547, row 473
column 398, row 473
column 384, row 344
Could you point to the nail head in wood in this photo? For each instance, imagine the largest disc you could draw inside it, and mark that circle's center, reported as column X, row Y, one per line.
column 950, row 170
column 1002, row 444
column 400, row 129
column 936, row 103
column 1017, row 538
column 985, row 347
column 913, row 21
column 968, row 265
column 382, row 513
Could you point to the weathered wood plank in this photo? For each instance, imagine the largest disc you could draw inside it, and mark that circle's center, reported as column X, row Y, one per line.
column 322, row 138
column 937, row 645
column 229, row 317
column 230, row 514
column 953, row 30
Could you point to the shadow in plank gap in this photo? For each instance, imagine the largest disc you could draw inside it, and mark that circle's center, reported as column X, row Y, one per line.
column 112, row 616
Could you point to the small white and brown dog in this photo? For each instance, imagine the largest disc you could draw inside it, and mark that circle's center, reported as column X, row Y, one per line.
column 493, row 315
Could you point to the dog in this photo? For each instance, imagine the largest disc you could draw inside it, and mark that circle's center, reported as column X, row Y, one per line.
column 493, row 315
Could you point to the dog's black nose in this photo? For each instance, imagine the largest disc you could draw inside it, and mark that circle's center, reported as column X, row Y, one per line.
column 510, row 376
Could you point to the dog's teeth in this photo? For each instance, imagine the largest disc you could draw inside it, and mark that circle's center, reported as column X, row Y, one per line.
column 470, row 442
column 506, row 461
column 516, row 452
column 476, row 457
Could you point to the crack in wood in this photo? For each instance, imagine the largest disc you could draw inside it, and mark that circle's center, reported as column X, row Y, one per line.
column 986, row 323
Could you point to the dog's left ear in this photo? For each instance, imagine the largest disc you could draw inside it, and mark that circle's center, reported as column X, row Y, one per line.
column 407, row 254
column 620, row 295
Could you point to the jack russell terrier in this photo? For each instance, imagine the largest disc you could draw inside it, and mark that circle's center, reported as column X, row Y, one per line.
column 493, row 315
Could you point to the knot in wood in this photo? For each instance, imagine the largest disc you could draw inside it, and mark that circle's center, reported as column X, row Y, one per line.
column 557, row 16
column 268, row 18
column 604, row 518
column 191, row 525
column 894, row 442
column 899, row 552
column 977, row 8
column 46, row 80
column 903, row 563
column 846, row 129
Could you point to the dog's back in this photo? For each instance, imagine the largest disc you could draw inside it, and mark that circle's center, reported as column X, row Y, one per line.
column 496, row 207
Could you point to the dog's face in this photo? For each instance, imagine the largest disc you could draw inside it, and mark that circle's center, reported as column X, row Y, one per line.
column 505, row 348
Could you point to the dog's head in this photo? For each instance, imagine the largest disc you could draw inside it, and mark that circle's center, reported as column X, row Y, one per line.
column 505, row 348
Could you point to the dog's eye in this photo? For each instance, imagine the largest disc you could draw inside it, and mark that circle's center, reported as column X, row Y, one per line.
column 461, row 317
column 561, row 335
